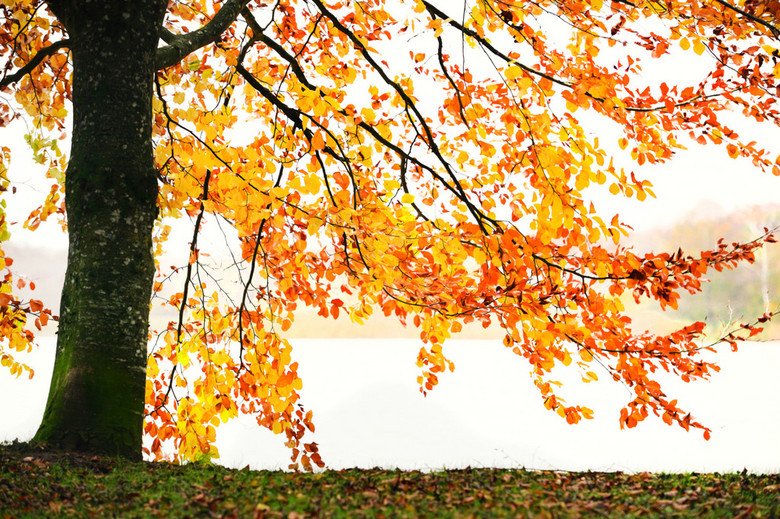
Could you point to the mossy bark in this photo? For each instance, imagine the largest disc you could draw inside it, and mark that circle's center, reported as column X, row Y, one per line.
column 96, row 399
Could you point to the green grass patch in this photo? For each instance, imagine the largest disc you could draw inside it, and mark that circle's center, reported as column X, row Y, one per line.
column 36, row 483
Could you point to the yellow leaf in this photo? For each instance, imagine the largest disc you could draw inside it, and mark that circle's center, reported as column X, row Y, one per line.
column 313, row 183
column 368, row 115
column 182, row 357
column 314, row 225
column 513, row 72
column 436, row 25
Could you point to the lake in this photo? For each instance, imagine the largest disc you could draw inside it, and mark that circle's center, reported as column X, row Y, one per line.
column 369, row 413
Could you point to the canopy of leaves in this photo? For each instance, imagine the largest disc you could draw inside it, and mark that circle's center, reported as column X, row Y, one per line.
column 427, row 160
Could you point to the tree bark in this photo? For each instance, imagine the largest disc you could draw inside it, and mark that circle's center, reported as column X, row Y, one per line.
column 96, row 399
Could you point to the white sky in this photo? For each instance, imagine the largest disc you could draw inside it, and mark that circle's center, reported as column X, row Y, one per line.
column 368, row 412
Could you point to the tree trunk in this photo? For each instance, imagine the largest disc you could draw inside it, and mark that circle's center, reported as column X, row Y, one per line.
column 96, row 399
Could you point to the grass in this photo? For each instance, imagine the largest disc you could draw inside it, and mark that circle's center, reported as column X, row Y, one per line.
column 36, row 483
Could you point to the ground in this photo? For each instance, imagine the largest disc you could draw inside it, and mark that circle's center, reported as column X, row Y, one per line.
column 38, row 482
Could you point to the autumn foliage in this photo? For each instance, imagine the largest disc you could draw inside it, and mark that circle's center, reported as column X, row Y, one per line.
column 431, row 161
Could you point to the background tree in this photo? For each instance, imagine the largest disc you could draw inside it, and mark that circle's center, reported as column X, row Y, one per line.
column 427, row 160
column 732, row 295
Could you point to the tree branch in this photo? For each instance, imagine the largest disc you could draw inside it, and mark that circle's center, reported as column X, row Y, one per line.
column 775, row 31
column 259, row 35
column 437, row 13
column 167, row 36
column 181, row 45
column 34, row 62
column 479, row 217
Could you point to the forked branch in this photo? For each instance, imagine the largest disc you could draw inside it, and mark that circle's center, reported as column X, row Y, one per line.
column 181, row 45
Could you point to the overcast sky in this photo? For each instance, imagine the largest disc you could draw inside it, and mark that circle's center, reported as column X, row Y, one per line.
column 368, row 412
